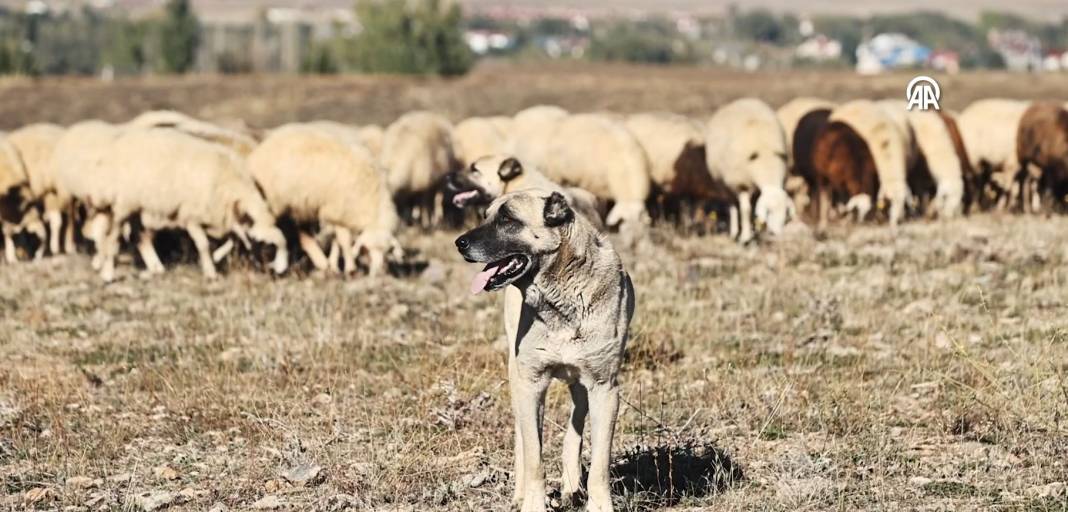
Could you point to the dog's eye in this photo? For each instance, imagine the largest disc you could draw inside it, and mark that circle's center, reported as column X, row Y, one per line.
column 505, row 217
column 753, row 156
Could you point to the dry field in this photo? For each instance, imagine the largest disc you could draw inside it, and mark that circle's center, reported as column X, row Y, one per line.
column 860, row 369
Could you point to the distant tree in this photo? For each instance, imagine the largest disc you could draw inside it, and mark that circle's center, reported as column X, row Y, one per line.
column 759, row 25
column 652, row 41
column 847, row 30
column 179, row 35
column 423, row 37
column 125, row 51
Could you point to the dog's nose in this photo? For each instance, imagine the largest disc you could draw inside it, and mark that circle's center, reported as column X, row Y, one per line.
column 462, row 243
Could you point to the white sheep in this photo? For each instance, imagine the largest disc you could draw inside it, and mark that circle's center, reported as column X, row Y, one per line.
column 989, row 129
column 887, row 144
column 174, row 179
column 35, row 144
column 476, row 137
column 417, row 152
column 597, row 153
column 940, row 153
column 240, row 142
column 746, row 149
column 16, row 210
column 530, row 131
column 316, row 176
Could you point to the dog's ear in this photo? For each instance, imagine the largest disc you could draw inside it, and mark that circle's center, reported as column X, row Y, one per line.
column 557, row 212
column 509, row 169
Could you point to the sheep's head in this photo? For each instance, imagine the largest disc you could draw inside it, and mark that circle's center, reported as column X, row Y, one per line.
column 380, row 247
column 253, row 225
column 774, row 209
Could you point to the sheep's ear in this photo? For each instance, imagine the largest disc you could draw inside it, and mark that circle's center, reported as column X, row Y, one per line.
column 509, row 169
column 557, row 212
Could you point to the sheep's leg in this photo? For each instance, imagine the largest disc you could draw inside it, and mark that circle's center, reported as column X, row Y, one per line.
column 734, row 222
column 334, row 258
column 200, row 240
column 96, row 229
column 348, row 256
column 55, row 226
column 10, row 255
column 310, row 246
column 108, row 245
column 37, row 228
column 147, row 250
column 222, row 251
column 745, row 211
column 824, row 197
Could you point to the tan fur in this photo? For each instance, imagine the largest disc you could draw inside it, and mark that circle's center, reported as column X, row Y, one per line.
column 477, row 137
column 989, row 129
column 746, row 149
column 939, row 151
column 887, row 146
column 173, row 178
column 324, row 176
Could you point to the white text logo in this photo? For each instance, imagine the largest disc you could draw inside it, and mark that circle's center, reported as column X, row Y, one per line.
column 923, row 93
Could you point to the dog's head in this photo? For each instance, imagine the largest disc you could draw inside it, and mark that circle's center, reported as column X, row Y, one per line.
column 521, row 230
column 484, row 180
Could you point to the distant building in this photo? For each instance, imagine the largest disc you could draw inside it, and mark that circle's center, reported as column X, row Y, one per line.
column 819, row 48
column 890, row 51
column 945, row 60
column 1020, row 51
column 1056, row 60
column 484, row 41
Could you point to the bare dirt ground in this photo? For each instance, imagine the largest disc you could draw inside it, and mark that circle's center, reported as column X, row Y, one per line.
column 923, row 369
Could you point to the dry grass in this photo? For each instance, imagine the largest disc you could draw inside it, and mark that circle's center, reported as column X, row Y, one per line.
column 867, row 370
column 922, row 370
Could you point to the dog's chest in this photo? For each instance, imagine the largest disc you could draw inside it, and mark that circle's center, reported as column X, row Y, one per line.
column 569, row 353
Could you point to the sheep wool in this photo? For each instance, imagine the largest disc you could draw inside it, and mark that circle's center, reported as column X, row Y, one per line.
column 884, row 139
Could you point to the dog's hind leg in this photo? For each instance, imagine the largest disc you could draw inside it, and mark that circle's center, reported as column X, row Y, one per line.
column 604, row 398
column 528, row 399
column 571, row 481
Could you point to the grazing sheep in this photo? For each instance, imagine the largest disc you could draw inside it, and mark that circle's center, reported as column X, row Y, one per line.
column 675, row 147
column 315, row 176
column 417, row 151
column 477, row 137
column 371, row 136
column 35, row 144
column 802, row 180
column 844, row 171
column 73, row 165
column 174, row 179
column 886, row 146
column 746, row 148
column 939, row 160
column 596, row 152
column 1042, row 148
column 989, row 129
column 16, row 208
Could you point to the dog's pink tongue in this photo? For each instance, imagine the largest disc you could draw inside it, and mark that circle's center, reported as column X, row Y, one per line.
column 478, row 284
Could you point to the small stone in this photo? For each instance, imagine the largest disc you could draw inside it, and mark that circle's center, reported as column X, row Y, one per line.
column 151, row 500
column 82, row 482
column 165, row 473
column 303, row 474
column 919, row 481
column 1051, row 490
column 121, row 478
column 38, row 495
column 268, row 502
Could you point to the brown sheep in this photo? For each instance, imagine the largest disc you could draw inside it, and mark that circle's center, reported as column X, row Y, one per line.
column 845, row 170
column 1042, row 147
column 803, row 139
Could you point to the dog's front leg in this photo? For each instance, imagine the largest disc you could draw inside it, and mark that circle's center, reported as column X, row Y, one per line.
column 572, row 448
column 604, row 403
column 528, row 398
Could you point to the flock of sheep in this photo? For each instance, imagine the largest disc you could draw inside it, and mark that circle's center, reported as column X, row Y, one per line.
column 343, row 191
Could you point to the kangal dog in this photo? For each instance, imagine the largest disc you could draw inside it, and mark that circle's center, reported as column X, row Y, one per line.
column 572, row 324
